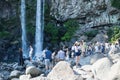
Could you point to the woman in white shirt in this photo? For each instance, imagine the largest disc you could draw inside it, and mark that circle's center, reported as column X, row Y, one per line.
column 77, row 53
column 31, row 53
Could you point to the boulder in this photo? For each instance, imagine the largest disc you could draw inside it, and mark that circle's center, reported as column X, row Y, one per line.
column 87, row 75
column 90, row 79
column 114, row 73
column 17, row 67
column 28, row 63
column 38, row 63
column 1, row 78
column 78, row 71
column 95, row 57
column 85, row 60
column 100, row 38
column 62, row 71
column 83, row 38
column 15, row 74
column 78, row 77
column 114, row 57
column 15, row 79
column 113, row 50
column 5, row 74
column 72, row 62
column 25, row 77
column 85, row 71
column 39, row 78
column 101, row 68
column 87, row 67
column 33, row 71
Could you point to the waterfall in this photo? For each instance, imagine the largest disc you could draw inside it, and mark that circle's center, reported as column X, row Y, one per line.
column 39, row 28
column 24, row 39
column 42, row 19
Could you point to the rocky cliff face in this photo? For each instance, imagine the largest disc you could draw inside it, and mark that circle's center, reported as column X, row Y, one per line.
column 9, row 29
column 90, row 13
column 8, row 8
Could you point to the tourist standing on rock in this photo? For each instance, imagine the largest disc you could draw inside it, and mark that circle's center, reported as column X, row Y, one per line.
column 30, row 53
column 117, row 46
column 21, row 60
column 47, row 57
column 103, row 48
column 83, row 47
column 61, row 54
column 112, row 49
column 73, row 51
column 97, row 48
column 54, row 59
column 77, row 53
column 89, row 49
column 67, row 54
column 107, row 47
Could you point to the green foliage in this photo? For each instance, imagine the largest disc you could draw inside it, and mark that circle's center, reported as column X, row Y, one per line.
column 116, row 34
column 58, row 33
column 52, row 31
column 30, row 17
column 91, row 33
column 47, row 15
column 4, row 34
column 7, row 27
column 30, row 29
column 71, row 26
column 110, row 33
column 6, row 24
column 55, row 33
column 115, row 3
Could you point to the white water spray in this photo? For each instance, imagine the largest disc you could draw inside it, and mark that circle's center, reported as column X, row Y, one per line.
column 24, row 39
column 39, row 28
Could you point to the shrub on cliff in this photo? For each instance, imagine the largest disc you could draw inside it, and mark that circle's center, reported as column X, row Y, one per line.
column 115, row 3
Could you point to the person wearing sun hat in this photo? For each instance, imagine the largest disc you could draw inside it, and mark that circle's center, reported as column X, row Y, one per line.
column 77, row 52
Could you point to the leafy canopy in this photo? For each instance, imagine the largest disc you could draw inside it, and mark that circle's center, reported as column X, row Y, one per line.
column 115, row 3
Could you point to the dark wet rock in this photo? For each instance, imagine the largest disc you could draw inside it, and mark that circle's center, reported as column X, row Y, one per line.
column 15, row 74
column 33, row 71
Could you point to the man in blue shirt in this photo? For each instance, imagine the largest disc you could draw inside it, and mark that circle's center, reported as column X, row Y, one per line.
column 48, row 57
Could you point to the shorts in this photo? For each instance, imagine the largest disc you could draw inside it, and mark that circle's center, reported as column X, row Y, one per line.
column 47, row 62
column 77, row 53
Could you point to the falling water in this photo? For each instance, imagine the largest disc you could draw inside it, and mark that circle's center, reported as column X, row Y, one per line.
column 24, row 44
column 42, row 19
column 39, row 28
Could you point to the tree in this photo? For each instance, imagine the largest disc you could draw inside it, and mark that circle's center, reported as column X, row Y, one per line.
column 115, row 3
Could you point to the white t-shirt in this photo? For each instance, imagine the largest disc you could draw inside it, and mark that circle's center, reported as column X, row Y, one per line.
column 77, row 48
column 61, row 54
column 30, row 52
column 97, row 49
column 73, row 48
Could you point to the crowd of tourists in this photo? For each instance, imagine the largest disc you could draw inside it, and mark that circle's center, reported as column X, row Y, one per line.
column 75, row 52
column 78, row 50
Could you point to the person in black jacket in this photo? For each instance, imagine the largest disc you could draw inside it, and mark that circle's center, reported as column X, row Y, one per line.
column 21, row 60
